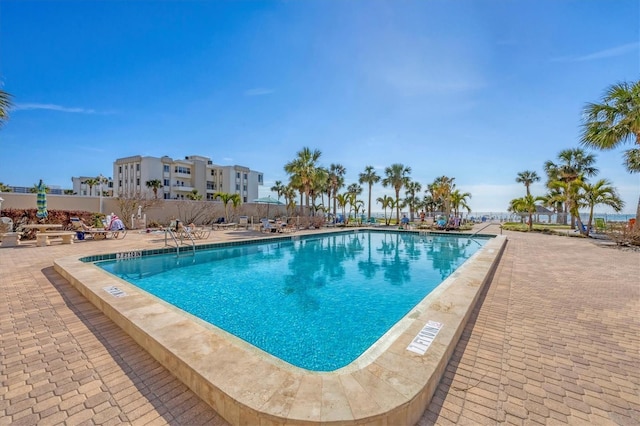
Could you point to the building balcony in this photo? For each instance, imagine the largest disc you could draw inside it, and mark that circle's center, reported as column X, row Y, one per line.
column 182, row 188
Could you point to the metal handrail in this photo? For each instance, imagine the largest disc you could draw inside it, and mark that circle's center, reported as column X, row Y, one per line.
column 175, row 240
column 482, row 229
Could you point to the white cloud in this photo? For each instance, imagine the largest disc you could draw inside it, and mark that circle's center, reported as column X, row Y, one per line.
column 52, row 107
column 260, row 91
column 601, row 54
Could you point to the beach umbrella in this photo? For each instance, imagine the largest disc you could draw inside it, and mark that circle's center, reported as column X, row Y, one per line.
column 42, row 201
column 268, row 201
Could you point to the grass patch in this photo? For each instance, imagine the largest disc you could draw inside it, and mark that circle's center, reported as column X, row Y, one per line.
column 544, row 228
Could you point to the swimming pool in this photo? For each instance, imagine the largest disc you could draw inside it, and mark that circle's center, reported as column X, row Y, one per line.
column 388, row 384
column 318, row 302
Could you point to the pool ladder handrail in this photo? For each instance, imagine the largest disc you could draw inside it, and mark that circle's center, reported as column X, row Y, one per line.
column 482, row 229
column 175, row 240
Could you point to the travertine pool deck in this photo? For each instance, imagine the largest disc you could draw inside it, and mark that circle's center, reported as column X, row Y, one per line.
column 554, row 339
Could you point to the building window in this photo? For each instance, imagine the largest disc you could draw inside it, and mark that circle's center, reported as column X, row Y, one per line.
column 119, row 169
column 244, row 199
column 137, row 167
column 166, row 168
column 238, row 175
column 244, row 188
column 183, row 170
column 120, row 183
column 260, row 179
column 237, row 187
column 166, row 182
column 138, row 181
column 245, row 176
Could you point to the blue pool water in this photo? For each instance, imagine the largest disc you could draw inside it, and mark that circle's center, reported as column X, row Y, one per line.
column 318, row 302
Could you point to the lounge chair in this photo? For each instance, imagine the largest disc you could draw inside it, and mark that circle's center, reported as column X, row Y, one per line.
column 243, row 221
column 84, row 231
column 266, row 226
column 428, row 221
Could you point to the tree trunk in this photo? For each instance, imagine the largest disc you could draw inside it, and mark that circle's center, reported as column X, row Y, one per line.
column 636, row 226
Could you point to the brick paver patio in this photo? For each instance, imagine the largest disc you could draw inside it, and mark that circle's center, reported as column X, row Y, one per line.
column 555, row 339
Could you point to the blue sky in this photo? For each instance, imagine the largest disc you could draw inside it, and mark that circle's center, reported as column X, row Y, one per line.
column 475, row 90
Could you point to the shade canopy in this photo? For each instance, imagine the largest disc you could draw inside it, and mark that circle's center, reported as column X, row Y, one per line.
column 268, row 200
column 42, row 201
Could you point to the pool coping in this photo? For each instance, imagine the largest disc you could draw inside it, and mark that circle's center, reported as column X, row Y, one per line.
column 388, row 384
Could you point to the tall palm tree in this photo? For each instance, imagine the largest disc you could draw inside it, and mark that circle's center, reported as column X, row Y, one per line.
column 343, row 200
column 5, row 106
column 600, row 192
column 154, row 184
column 396, row 177
column 319, row 185
column 289, row 194
column 527, row 178
column 278, row 188
column 441, row 188
column 411, row 196
column 91, row 182
column 574, row 164
column 354, row 188
column 302, row 170
column 336, row 181
column 369, row 176
column 428, row 201
column 616, row 121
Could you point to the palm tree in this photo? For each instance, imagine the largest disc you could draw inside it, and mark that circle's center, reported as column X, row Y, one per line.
column 441, row 189
column 154, row 184
column 526, row 204
column 396, row 177
column 302, row 170
column 225, row 197
column 194, row 195
column 385, row 201
column 615, row 121
column 369, row 177
column 354, row 188
column 289, row 194
column 459, row 199
column 527, row 178
column 91, row 182
column 5, row 188
column 336, row 181
column 574, row 165
column 343, row 200
column 319, row 184
column 600, row 192
column 5, row 106
column 34, row 189
column 278, row 188
column 411, row 198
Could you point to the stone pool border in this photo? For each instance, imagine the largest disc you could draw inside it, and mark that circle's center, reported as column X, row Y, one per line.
column 388, row 384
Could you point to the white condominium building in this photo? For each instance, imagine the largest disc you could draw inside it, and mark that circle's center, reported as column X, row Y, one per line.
column 179, row 177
